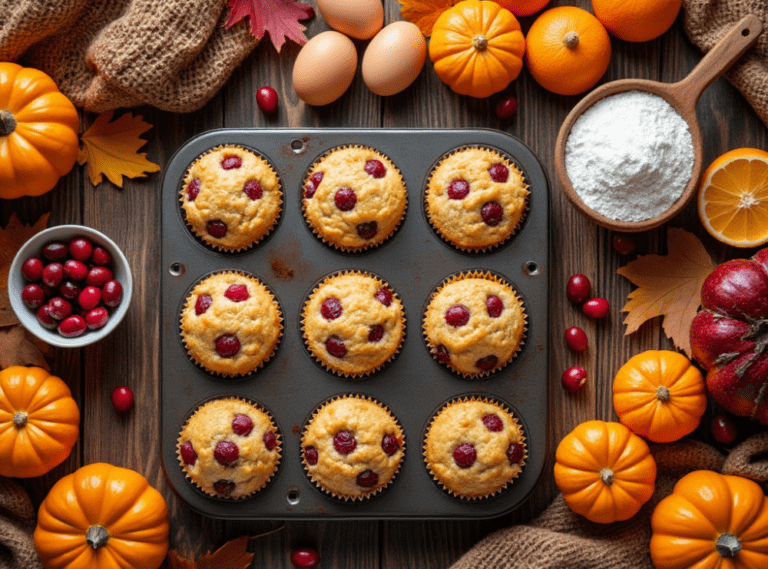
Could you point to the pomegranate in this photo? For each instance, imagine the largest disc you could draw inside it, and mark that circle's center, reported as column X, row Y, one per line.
column 729, row 335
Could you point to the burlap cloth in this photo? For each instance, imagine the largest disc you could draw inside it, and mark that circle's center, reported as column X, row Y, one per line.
column 560, row 539
column 106, row 54
column 17, row 523
column 706, row 21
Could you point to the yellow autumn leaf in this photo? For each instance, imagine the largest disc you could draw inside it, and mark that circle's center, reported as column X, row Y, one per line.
column 424, row 13
column 668, row 286
column 111, row 149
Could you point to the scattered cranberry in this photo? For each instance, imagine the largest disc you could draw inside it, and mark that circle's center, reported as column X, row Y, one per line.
column 193, row 188
column 237, row 293
column 493, row 423
column 492, row 212
column 44, row 317
column 97, row 318
column 499, row 173
column 226, row 452
column 305, row 558
column 723, row 429
column 390, row 444
column 310, row 455
column 122, row 401
column 624, row 244
column 345, row 199
column 331, row 308
column 227, row 345
column 72, row 326
column 578, row 288
column 55, row 251
column 596, row 308
column 216, row 228
column 458, row 189
column 574, row 378
column 376, row 333
column 202, row 304
column 33, row 296
column 344, row 442
column 32, row 269
column 266, row 99
column 442, row 354
column 375, row 169
column 312, row 185
column 53, row 274
column 494, row 306
column 367, row 479
column 384, row 296
column 242, row 425
column 231, row 162
column 223, row 487
column 487, row 363
column 89, row 298
column 515, row 453
column 112, row 293
column 59, row 308
column 69, row 290
column 576, row 339
column 368, row 230
column 270, row 440
column 253, row 190
column 506, row 108
column 187, row 451
column 335, row 346
column 465, row 455
column 80, row 249
column 457, row 315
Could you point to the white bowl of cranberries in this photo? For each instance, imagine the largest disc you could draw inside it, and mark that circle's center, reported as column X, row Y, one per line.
column 70, row 285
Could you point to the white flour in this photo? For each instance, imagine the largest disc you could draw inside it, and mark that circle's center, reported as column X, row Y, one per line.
column 629, row 156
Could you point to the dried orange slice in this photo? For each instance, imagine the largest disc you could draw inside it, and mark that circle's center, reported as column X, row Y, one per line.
column 733, row 198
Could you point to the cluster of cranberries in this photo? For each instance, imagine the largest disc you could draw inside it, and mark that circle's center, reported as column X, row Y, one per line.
column 71, row 286
column 465, row 454
column 331, row 309
column 491, row 212
column 226, row 345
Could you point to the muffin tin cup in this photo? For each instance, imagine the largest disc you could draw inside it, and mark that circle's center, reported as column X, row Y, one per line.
column 413, row 385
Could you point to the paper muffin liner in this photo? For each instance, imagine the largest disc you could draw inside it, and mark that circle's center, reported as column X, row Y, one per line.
column 509, row 163
column 316, row 232
column 208, row 240
column 278, row 448
column 189, row 303
column 467, row 275
column 318, row 483
column 321, row 360
column 466, row 399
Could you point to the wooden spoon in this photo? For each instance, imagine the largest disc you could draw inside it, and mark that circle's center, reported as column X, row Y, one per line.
column 683, row 96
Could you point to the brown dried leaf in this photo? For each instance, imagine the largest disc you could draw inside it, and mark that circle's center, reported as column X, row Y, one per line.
column 11, row 240
column 7, row 316
column 231, row 555
column 424, row 13
column 19, row 347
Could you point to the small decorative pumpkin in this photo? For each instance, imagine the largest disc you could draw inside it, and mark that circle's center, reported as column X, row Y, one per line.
column 102, row 517
column 605, row 472
column 713, row 521
column 39, row 421
column 477, row 48
column 38, row 132
column 659, row 395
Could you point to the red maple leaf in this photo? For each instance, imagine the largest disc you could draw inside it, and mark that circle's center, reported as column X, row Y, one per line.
column 278, row 17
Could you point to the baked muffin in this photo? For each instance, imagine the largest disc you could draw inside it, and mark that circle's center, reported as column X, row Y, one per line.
column 352, row 447
column 354, row 198
column 229, row 448
column 474, row 323
column 476, row 198
column 231, row 324
column 231, row 198
column 474, row 448
column 353, row 323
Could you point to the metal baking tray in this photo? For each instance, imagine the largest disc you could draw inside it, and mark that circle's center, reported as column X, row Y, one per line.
column 413, row 261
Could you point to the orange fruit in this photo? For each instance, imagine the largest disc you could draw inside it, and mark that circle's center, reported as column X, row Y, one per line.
column 523, row 7
column 636, row 20
column 567, row 50
column 733, row 198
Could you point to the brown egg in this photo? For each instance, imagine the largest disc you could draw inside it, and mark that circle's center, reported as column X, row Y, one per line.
column 394, row 58
column 359, row 19
column 324, row 68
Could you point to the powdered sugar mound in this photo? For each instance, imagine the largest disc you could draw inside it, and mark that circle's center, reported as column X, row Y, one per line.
column 629, row 156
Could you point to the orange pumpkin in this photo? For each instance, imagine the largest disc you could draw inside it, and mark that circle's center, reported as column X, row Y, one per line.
column 636, row 20
column 711, row 521
column 477, row 48
column 605, row 472
column 38, row 132
column 659, row 395
column 102, row 517
column 39, row 421
column 523, row 7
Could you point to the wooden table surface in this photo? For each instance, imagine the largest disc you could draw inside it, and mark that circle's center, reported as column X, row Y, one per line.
column 130, row 356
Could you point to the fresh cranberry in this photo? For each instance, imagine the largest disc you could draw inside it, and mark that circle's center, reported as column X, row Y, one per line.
column 442, row 354
column 193, row 188
column 305, row 558
column 723, row 429
column 72, row 326
column 596, row 308
column 89, row 298
column 237, row 293
column 376, row 333
column 188, row 454
column 44, row 317
column 312, row 185
column 492, row 212
column 310, row 455
column 345, row 199
column 344, row 442
column 331, row 308
column 32, row 295
column 59, row 308
column 578, row 288
column 375, row 168
column 494, row 305
column 506, row 108
column 122, row 399
column 253, row 190
column 75, row 270
column 97, row 318
column 226, row 452
column 69, row 290
column 216, row 228
column 367, row 479
column 270, row 440
column 231, row 162
column 576, row 339
column 227, row 345
column 266, row 99
column 80, row 249
column 458, row 189
column 55, row 251
column 515, row 453
column 487, row 363
column 390, row 444
column 202, row 304
column 112, row 293
column 223, row 487
column 624, row 244
column 493, row 423
column 53, row 274
column 32, row 269
column 465, row 455
column 368, row 230
column 242, row 425
column 101, row 257
column 574, row 378
column 457, row 315
column 384, row 296
column 499, row 173
column 335, row 346
column 98, row 276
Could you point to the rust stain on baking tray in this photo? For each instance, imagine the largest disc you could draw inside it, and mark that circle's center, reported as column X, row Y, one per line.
column 286, row 260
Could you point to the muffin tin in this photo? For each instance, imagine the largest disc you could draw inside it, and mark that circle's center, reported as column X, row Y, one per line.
column 291, row 260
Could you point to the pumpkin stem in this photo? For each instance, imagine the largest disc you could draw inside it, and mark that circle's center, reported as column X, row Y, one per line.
column 97, row 536
column 20, row 418
column 606, row 475
column 7, row 123
column 571, row 40
column 728, row 545
column 480, row 43
column 662, row 393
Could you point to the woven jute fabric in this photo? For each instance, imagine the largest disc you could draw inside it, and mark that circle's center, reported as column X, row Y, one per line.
column 561, row 539
column 174, row 55
column 706, row 21
column 17, row 524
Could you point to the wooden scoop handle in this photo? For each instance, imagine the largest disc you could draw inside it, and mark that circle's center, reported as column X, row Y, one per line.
column 719, row 59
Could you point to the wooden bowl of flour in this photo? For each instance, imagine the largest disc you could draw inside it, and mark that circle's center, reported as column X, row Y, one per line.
column 682, row 96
